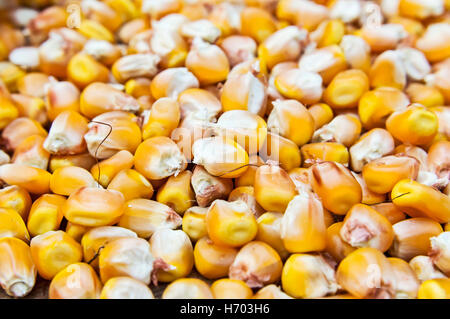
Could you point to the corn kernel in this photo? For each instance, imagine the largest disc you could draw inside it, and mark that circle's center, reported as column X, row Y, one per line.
column 45, row 214
column 12, row 225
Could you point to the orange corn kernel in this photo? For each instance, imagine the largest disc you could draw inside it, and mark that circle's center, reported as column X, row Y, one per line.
column 84, row 160
column 336, row 246
column 188, row 288
column 213, row 261
column 336, row 186
column 131, row 184
column 69, row 179
column 324, row 151
column 105, row 171
column 231, row 289
column 19, row 129
column 31, row 152
column 164, row 118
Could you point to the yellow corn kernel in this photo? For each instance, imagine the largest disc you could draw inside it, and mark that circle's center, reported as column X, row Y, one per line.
column 19, row 129
column 66, row 134
column 199, row 103
column 415, row 125
column 328, row 33
column 176, row 55
column 164, row 118
column 388, row 70
column 335, row 246
column 32, row 179
column 125, row 288
column 83, row 70
column 231, row 289
column 84, row 160
column 159, row 157
column 321, row 113
column 419, row 200
column 220, row 156
column 382, row 174
column 336, row 186
column 10, row 74
column 207, row 62
column 8, row 111
column 213, row 261
column 105, row 171
column 271, row 292
column 281, row 150
column 31, row 107
column 16, row 198
column 175, row 249
column 230, row 224
column 45, row 214
column 428, row 96
column 257, row 264
column 383, row 37
column 375, row 106
column 131, row 184
column 356, row 51
column 442, row 113
column 12, row 225
column 367, row 273
column 274, row 188
column 346, row 89
column 286, row 117
column 439, row 252
column 188, row 288
column 373, row 144
column 325, row 151
column 177, row 192
column 434, row 289
column 127, row 256
column 112, row 132
column 282, row 46
column 308, row 276
column 138, row 87
column 302, row 226
column 363, row 226
column 69, row 179
column 407, row 283
column 420, row 10
column 257, row 23
column 413, row 27
column 76, row 231
column 53, row 251
column 17, row 270
column 91, row 206
column 76, row 281
column 248, row 178
column 194, row 223
column 98, row 98
column 10, row 39
column 33, row 84
column 95, row 239
column 412, row 237
column 94, row 30
column 306, row 13
column 344, row 129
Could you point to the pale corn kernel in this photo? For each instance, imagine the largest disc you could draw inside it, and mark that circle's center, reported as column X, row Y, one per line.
column 239, row 48
column 304, row 86
column 135, row 65
column 344, row 129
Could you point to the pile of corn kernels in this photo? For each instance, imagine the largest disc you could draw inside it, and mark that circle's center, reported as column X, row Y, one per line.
column 226, row 149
